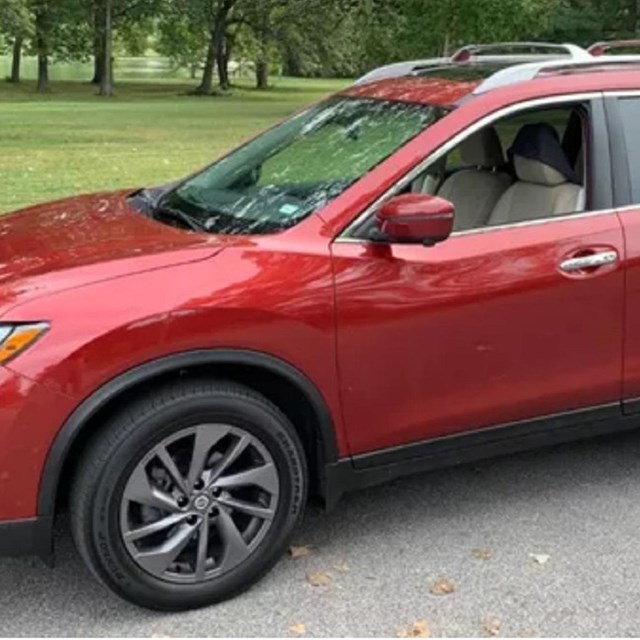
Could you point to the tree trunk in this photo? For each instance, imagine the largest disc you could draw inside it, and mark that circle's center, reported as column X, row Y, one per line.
column 262, row 65
column 215, row 51
column 42, row 24
column 106, row 82
column 98, row 68
column 222, row 60
column 223, row 70
column 98, row 44
column 230, row 41
column 205, row 87
column 262, row 73
column 43, row 72
column 16, row 60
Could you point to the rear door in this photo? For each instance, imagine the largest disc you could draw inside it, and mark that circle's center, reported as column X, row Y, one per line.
column 623, row 111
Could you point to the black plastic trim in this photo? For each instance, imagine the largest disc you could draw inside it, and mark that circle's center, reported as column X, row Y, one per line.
column 378, row 467
column 57, row 455
column 31, row 537
column 600, row 171
column 631, row 406
column 488, row 436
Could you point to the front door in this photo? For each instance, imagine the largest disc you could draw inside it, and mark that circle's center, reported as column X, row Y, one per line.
column 493, row 326
column 484, row 329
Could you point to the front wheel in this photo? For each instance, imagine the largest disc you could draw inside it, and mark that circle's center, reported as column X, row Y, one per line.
column 189, row 495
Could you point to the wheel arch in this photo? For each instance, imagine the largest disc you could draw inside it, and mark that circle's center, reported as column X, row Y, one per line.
column 312, row 417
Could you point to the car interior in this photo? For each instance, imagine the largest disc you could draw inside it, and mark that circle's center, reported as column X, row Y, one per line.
column 540, row 175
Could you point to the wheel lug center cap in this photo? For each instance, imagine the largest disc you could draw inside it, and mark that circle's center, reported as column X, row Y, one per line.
column 202, row 503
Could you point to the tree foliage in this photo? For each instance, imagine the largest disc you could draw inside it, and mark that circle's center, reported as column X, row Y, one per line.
column 15, row 18
column 297, row 37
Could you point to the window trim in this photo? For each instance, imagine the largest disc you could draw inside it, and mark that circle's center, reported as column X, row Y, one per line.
column 600, row 127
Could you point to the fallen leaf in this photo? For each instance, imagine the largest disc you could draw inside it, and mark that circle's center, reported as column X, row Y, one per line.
column 481, row 554
column 492, row 626
column 342, row 567
column 319, row 578
column 540, row 558
column 299, row 552
column 443, row 587
column 299, row 629
column 419, row 629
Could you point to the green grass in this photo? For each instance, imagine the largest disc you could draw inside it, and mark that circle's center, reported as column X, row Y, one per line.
column 71, row 141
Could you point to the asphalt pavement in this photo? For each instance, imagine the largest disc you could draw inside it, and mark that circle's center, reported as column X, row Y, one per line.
column 539, row 544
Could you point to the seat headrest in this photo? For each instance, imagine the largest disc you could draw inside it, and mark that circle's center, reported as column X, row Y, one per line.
column 483, row 149
column 538, row 156
column 537, row 172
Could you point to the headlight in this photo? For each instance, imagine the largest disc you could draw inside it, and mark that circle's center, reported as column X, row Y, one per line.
column 15, row 338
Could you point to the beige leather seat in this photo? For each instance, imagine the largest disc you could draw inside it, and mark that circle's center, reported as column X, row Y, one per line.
column 541, row 191
column 474, row 191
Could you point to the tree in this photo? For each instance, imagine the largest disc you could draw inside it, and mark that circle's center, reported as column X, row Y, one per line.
column 60, row 30
column 304, row 37
column 106, row 80
column 104, row 18
column 260, row 18
column 585, row 21
column 437, row 27
column 284, row 28
column 98, row 19
column 43, row 12
column 16, row 23
column 195, row 33
column 218, row 17
column 183, row 44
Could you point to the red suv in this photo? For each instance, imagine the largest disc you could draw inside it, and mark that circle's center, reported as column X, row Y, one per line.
column 422, row 270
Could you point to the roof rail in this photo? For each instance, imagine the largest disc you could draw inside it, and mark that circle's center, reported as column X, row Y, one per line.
column 472, row 51
column 600, row 48
column 400, row 69
column 525, row 72
column 514, row 53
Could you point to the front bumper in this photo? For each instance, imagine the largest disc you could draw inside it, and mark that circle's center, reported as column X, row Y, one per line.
column 30, row 418
column 29, row 537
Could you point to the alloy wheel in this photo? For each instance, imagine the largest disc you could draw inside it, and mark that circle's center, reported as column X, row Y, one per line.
column 199, row 503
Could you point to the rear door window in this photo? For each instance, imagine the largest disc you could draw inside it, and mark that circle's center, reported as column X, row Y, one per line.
column 630, row 118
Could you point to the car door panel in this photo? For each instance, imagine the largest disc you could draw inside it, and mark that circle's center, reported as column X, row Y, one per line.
column 623, row 113
column 631, row 387
column 483, row 329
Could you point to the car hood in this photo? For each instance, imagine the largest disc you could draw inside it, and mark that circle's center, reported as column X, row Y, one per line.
column 92, row 238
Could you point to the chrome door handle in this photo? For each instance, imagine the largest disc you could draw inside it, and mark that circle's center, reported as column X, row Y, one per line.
column 601, row 259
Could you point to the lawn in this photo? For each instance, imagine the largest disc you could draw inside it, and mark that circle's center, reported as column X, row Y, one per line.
column 71, row 141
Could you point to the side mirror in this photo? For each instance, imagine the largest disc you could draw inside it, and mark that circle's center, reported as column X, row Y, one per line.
column 415, row 218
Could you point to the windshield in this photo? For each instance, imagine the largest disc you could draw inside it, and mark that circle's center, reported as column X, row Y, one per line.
column 296, row 168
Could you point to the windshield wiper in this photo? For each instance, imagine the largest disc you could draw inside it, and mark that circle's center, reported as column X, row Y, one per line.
column 177, row 214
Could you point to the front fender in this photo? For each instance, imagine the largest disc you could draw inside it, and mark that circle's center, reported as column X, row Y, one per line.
column 276, row 304
column 100, row 398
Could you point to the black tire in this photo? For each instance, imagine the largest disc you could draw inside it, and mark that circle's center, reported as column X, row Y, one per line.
column 119, row 446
